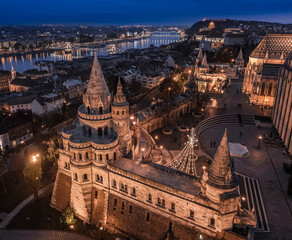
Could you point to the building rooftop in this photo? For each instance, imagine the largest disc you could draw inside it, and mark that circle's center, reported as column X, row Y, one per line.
column 275, row 44
column 147, row 171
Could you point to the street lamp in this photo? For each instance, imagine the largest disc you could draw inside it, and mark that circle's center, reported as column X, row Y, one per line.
column 156, row 137
column 161, row 147
column 34, row 157
column 260, row 138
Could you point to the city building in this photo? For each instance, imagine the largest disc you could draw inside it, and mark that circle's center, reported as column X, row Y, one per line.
column 19, row 130
column 234, row 37
column 103, row 175
column 282, row 114
column 5, row 78
column 4, row 137
column 150, row 79
column 47, row 104
column 75, row 88
column 261, row 73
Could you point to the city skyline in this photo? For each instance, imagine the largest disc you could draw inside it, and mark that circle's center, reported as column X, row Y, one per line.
column 130, row 12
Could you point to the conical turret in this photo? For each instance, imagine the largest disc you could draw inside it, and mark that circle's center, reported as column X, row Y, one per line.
column 200, row 55
column 204, row 68
column 119, row 98
column 97, row 96
column 204, row 62
column 220, row 173
column 239, row 60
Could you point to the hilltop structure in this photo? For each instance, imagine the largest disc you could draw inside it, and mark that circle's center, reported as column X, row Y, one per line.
column 111, row 182
column 261, row 73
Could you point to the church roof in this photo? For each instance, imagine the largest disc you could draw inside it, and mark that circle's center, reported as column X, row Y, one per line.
column 221, row 174
column 200, row 54
column 204, row 62
column 97, row 93
column 275, row 44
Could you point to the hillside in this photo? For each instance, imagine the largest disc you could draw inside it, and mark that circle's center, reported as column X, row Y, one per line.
column 255, row 26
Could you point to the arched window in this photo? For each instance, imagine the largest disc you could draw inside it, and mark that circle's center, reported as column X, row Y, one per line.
column 88, row 110
column 270, row 89
column 100, row 110
column 107, row 158
column 95, row 156
column 85, row 178
column 96, row 194
column 99, row 132
column 100, row 157
column 106, row 131
column 115, row 156
column 74, row 156
column 123, row 112
column 86, row 155
column 97, row 177
column 149, row 197
column 101, row 179
column 118, row 112
column 89, row 132
column 75, row 177
column 114, row 183
column 80, row 156
column 258, row 88
column 263, row 88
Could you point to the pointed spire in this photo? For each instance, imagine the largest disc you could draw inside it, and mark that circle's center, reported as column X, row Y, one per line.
column 220, row 173
column 204, row 62
column 200, row 55
column 267, row 54
column 120, row 97
column 97, row 94
column 222, row 157
column 196, row 71
column 282, row 56
column 240, row 55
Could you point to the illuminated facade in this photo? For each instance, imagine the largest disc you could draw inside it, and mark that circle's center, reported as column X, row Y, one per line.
column 282, row 115
column 103, row 175
column 261, row 73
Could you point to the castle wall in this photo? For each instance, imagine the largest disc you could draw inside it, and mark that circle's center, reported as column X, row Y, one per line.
column 144, row 223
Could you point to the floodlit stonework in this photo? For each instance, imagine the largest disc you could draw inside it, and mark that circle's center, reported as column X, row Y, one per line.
column 101, row 175
column 282, row 115
column 261, row 73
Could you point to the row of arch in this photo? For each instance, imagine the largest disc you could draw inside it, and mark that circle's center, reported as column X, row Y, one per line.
column 175, row 114
column 101, row 111
column 264, row 88
column 98, row 157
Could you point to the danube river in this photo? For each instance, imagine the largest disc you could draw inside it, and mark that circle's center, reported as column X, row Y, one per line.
column 24, row 62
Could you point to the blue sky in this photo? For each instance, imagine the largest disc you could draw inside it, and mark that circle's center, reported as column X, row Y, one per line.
column 183, row 12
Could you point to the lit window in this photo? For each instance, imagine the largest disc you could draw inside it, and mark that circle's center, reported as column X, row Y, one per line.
column 172, row 207
column 114, row 183
column 191, row 214
column 212, row 222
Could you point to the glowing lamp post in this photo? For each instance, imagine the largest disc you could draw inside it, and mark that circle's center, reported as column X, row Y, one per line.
column 161, row 148
column 260, row 138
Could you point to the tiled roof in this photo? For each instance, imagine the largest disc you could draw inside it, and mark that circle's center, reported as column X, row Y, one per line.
column 275, row 45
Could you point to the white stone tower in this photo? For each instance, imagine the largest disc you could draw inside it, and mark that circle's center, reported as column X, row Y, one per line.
column 120, row 115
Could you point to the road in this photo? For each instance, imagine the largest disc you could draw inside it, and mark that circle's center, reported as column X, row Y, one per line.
column 39, row 235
